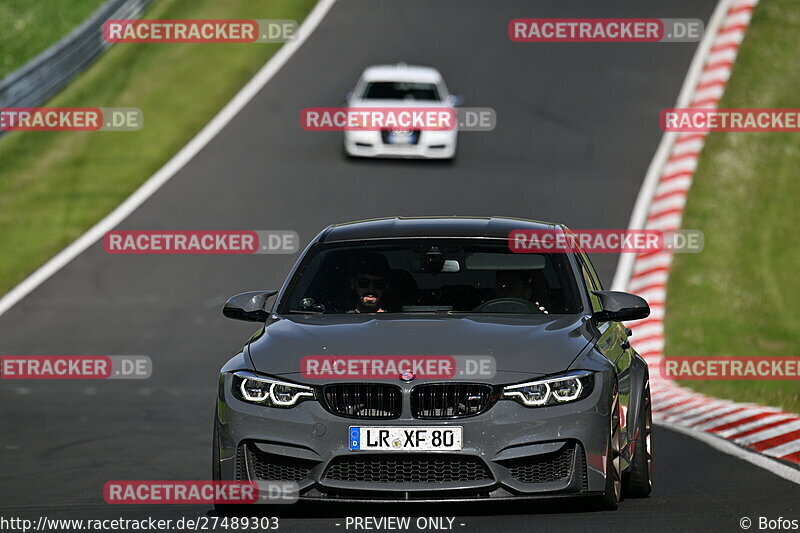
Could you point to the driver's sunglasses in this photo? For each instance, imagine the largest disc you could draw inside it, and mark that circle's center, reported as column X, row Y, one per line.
column 366, row 283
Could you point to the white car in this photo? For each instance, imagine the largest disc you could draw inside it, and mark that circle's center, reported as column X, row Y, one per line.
column 402, row 86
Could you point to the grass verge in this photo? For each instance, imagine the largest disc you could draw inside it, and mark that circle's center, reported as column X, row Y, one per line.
column 55, row 185
column 738, row 297
column 30, row 27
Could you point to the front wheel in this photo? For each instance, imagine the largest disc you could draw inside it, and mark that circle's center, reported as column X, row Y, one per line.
column 638, row 482
column 613, row 490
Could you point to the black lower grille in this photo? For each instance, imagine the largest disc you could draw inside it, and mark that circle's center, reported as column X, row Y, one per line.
column 272, row 467
column 364, row 400
column 544, row 468
column 449, row 400
column 413, row 468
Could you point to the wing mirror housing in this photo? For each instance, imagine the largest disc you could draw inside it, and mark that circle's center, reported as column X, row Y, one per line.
column 248, row 306
column 455, row 100
column 620, row 306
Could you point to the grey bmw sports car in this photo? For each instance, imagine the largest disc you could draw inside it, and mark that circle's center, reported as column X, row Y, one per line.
column 424, row 359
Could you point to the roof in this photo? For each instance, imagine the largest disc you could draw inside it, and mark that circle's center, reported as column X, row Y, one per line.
column 402, row 72
column 453, row 226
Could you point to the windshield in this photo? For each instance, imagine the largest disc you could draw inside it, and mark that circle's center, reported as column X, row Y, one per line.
column 400, row 90
column 431, row 276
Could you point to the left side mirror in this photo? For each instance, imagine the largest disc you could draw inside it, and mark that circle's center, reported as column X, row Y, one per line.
column 620, row 306
column 249, row 306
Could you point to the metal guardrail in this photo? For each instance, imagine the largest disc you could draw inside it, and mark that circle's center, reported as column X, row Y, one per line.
column 42, row 77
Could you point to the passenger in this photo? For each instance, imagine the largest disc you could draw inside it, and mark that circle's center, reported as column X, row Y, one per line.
column 519, row 284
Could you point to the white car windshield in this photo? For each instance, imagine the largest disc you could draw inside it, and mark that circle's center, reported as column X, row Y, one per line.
column 401, row 90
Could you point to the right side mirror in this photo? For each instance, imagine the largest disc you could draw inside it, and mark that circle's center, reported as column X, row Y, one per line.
column 455, row 100
column 620, row 306
column 249, row 306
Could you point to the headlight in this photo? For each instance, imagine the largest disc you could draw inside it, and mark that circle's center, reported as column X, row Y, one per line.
column 552, row 391
column 253, row 388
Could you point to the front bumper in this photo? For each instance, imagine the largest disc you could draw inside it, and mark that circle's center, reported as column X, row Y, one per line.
column 430, row 145
column 509, row 451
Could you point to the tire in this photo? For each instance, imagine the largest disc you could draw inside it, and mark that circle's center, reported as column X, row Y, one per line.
column 612, row 495
column 638, row 481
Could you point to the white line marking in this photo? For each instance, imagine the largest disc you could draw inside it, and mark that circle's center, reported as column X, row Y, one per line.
column 172, row 166
column 726, row 446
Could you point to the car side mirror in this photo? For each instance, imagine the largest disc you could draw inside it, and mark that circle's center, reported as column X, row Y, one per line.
column 619, row 306
column 249, row 306
column 348, row 97
column 455, row 100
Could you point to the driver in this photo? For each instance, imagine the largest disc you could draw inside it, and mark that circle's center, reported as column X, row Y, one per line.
column 516, row 284
column 368, row 282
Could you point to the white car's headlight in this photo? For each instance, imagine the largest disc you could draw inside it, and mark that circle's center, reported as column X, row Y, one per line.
column 565, row 388
column 261, row 390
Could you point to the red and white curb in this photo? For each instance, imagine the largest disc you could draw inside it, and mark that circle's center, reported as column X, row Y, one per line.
column 766, row 430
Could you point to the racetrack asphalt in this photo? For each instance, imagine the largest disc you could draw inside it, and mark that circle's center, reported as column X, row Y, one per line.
column 577, row 128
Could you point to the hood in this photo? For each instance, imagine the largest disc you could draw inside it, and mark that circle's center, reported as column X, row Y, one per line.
column 522, row 347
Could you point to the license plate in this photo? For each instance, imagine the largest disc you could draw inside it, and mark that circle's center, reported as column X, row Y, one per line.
column 405, row 438
column 401, row 138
